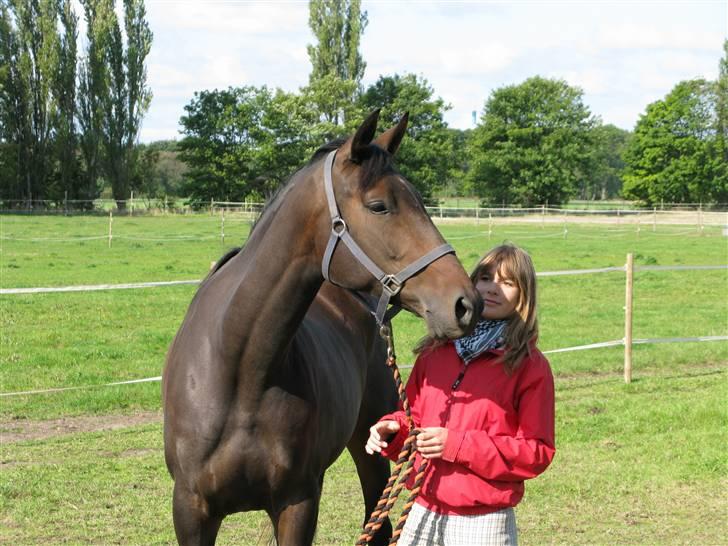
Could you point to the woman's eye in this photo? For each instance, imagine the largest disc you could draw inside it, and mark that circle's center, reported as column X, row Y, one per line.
column 377, row 207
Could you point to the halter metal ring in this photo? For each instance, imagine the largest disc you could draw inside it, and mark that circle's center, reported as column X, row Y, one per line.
column 338, row 226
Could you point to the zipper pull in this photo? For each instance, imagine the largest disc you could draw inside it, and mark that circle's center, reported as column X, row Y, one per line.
column 458, row 380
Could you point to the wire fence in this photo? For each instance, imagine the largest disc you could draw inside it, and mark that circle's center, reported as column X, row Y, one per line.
column 472, row 207
column 546, row 222
column 627, row 342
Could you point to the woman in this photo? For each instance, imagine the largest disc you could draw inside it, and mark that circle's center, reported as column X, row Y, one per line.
column 484, row 405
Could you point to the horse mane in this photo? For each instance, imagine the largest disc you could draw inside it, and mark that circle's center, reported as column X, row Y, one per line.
column 229, row 255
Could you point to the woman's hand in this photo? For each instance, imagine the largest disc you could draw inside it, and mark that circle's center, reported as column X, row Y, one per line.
column 431, row 442
column 377, row 433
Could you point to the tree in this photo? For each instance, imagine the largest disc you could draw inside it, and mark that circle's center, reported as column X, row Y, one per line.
column 675, row 154
column 165, row 176
column 427, row 155
column 65, row 92
column 532, row 144
column 722, row 104
column 243, row 142
column 14, row 110
column 337, row 64
column 605, row 173
column 30, row 44
column 91, row 89
column 125, row 98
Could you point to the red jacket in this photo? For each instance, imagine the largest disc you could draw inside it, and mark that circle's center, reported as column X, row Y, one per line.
column 500, row 429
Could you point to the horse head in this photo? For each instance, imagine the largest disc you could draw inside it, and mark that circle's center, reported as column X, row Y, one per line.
column 391, row 245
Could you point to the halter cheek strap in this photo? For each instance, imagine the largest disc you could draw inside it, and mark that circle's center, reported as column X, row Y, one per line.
column 391, row 283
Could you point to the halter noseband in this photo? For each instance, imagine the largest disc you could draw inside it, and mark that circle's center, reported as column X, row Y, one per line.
column 391, row 284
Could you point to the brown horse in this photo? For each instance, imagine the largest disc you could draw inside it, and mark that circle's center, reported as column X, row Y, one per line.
column 274, row 371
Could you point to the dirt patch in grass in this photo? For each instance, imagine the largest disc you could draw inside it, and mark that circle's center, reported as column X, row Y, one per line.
column 19, row 430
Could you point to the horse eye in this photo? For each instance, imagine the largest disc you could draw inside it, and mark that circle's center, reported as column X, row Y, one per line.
column 377, row 207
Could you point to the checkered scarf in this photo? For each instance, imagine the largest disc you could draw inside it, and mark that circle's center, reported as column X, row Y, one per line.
column 488, row 334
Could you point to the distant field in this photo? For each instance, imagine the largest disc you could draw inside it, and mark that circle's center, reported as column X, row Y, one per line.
column 641, row 464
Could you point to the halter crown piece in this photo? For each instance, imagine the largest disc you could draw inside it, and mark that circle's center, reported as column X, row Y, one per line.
column 391, row 284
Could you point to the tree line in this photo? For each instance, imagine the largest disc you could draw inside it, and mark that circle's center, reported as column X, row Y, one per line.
column 71, row 131
column 536, row 142
column 70, row 119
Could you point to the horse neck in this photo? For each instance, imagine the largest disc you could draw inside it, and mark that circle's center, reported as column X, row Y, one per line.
column 274, row 280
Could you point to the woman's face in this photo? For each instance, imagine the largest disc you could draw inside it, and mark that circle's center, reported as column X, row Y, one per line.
column 500, row 294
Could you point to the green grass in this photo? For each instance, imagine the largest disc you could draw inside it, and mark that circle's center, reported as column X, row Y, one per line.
column 90, row 338
column 637, row 464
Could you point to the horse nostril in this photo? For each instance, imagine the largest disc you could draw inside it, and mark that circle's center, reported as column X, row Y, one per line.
column 464, row 311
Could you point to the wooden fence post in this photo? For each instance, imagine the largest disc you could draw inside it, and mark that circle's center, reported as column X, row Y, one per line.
column 111, row 219
column 222, row 226
column 629, row 269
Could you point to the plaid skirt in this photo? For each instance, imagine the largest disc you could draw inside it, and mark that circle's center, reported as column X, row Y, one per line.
column 426, row 528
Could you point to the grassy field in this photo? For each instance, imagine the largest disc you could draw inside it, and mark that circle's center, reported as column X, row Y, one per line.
column 637, row 464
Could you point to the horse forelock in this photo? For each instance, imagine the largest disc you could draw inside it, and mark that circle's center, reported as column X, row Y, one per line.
column 377, row 163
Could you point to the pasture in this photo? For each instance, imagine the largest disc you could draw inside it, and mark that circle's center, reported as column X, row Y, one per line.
column 636, row 464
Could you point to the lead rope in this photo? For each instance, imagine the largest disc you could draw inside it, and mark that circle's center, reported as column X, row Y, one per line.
column 402, row 467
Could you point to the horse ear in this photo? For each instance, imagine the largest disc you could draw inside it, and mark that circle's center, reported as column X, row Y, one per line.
column 391, row 138
column 363, row 137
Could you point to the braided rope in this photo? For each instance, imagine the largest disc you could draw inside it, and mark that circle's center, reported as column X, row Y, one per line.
column 400, row 472
column 419, row 478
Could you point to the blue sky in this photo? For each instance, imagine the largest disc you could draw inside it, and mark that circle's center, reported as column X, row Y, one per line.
column 623, row 54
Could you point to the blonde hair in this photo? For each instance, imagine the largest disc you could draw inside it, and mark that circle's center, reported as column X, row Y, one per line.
column 515, row 264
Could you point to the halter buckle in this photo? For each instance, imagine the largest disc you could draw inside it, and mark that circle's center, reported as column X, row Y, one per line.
column 391, row 284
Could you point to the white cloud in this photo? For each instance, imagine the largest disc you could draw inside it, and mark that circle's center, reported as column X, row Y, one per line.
column 622, row 54
column 590, row 80
column 641, row 36
column 234, row 17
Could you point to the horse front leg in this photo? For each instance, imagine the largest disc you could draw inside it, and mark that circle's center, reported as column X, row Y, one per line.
column 193, row 523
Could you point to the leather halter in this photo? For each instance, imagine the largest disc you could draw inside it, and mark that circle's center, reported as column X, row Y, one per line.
column 391, row 284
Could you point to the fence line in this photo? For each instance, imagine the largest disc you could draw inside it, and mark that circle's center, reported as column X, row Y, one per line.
column 489, row 234
column 126, row 286
column 600, row 345
column 94, row 287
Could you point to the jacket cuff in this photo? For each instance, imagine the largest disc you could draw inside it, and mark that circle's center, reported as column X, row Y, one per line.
column 396, row 442
column 452, row 445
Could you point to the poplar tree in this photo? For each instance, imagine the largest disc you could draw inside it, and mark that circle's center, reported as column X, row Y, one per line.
column 115, row 94
column 14, row 104
column 30, row 47
column 722, row 103
column 65, row 93
column 337, row 64
column 91, row 88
